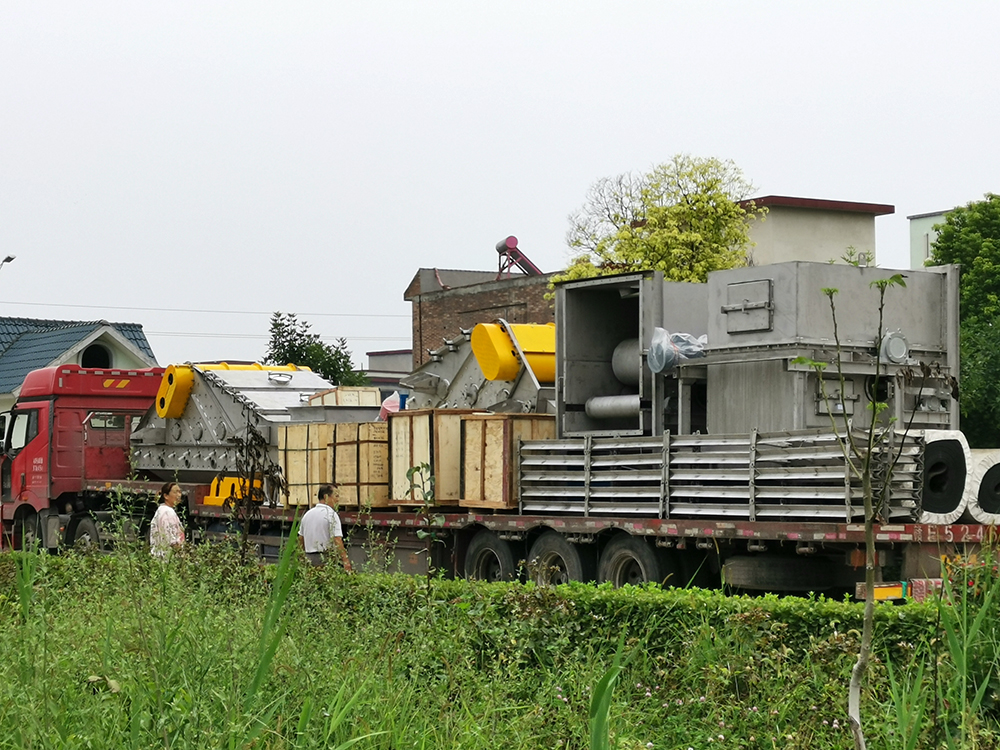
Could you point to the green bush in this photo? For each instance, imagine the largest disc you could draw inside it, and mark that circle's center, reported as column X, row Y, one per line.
column 112, row 651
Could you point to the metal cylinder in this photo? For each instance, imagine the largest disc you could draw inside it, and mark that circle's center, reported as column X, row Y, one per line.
column 626, row 362
column 613, row 407
column 494, row 350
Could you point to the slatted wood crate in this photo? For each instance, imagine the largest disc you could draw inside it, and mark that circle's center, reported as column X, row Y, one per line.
column 344, row 395
column 489, row 456
column 426, row 436
column 359, row 456
column 304, row 460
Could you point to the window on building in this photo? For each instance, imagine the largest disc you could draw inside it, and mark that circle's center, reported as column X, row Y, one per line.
column 96, row 355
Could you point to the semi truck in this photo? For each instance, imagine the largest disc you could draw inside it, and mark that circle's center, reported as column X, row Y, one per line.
column 617, row 453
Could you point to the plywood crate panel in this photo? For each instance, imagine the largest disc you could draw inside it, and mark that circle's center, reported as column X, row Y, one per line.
column 489, row 455
column 364, row 495
column 304, row 460
column 344, row 395
column 426, row 436
column 360, row 461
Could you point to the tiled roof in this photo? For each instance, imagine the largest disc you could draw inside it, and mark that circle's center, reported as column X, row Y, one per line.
column 28, row 343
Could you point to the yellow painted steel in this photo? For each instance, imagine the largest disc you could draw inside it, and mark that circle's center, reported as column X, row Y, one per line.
column 175, row 387
column 223, row 488
column 252, row 366
column 497, row 357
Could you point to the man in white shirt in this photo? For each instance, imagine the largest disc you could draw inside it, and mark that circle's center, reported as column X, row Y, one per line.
column 319, row 526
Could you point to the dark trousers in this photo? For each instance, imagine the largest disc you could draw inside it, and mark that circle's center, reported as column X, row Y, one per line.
column 316, row 559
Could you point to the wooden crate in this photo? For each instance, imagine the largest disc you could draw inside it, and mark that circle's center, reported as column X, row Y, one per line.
column 426, row 436
column 359, row 456
column 304, row 460
column 489, row 455
column 345, row 395
column 364, row 495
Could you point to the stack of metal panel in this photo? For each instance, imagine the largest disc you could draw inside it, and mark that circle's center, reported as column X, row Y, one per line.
column 800, row 475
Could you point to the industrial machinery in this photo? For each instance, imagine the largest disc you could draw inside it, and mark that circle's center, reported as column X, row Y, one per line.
column 686, row 429
column 519, row 363
column 606, row 329
column 200, row 409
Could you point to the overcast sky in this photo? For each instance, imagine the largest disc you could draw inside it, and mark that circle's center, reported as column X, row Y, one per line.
column 195, row 166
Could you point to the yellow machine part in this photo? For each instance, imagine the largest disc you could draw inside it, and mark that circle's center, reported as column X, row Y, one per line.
column 175, row 387
column 223, row 488
column 497, row 357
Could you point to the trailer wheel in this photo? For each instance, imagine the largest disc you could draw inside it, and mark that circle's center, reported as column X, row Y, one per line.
column 553, row 560
column 778, row 573
column 85, row 535
column 489, row 558
column 632, row 561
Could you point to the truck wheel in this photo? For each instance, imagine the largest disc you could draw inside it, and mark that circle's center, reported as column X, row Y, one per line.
column 489, row 558
column 632, row 561
column 86, row 536
column 778, row 573
column 699, row 569
column 553, row 560
column 28, row 532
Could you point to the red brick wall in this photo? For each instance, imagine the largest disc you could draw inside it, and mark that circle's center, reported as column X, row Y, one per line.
column 439, row 315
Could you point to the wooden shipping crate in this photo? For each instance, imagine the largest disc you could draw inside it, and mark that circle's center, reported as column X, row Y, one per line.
column 304, row 460
column 359, row 456
column 432, row 437
column 346, row 395
column 489, row 455
column 364, row 496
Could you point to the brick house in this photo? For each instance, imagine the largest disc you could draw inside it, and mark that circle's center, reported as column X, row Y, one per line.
column 446, row 301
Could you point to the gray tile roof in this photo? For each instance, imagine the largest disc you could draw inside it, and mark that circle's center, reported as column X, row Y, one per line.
column 28, row 343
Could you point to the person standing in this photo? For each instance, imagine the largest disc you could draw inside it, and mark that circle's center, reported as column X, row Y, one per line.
column 319, row 527
column 166, row 534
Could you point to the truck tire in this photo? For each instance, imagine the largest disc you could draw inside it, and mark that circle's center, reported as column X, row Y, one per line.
column 86, row 535
column 553, row 560
column 773, row 573
column 699, row 569
column 28, row 533
column 632, row 561
column 489, row 558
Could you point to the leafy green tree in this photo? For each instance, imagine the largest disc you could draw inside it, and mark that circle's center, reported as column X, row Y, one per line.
column 684, row 218
column 294, row 343
column 970, row 236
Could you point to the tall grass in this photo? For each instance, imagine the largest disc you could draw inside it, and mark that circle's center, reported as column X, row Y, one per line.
column 205, row 652
column 949, row 696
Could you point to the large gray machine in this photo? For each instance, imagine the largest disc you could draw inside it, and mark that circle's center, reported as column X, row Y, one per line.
column 759, row 321
column 453, row 379
column 747, row 429
column 764, row 318
column 191, row 433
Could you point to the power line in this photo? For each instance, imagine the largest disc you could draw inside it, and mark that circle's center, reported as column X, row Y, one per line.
column 209, row 312
column 259, row 336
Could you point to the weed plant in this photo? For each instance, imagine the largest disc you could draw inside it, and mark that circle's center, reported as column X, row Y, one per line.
column 112, row 651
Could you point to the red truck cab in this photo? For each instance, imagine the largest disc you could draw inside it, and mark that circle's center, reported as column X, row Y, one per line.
column 69, row 427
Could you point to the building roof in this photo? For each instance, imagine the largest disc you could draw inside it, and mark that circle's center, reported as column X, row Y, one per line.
column 437, row 279
column 27, row 344
column 930, row 214
column 817, row 204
